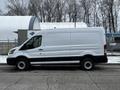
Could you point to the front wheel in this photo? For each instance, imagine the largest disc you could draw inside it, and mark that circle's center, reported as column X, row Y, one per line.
column 22, row 65
column 87, row 64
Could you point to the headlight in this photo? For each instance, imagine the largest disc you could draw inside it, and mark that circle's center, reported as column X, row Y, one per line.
column 12, row 51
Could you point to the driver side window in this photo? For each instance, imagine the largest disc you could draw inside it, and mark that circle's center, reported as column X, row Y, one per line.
column 32, row 43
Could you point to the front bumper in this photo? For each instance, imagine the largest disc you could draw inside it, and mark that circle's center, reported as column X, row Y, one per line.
column 11, row 61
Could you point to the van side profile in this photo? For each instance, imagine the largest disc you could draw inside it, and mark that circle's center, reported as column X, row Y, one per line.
column 82, row 46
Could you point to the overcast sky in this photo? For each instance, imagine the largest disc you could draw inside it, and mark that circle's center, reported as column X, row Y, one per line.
column 3, row 4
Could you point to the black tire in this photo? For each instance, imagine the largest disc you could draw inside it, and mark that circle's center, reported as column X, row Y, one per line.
column 87, row 64
column 22, row 64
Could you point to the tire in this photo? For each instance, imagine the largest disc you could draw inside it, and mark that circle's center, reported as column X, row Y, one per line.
column 87, row 64
column 22, row 65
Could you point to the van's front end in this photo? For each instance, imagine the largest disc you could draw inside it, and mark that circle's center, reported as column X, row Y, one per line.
column 21, row 56
column 12, row 56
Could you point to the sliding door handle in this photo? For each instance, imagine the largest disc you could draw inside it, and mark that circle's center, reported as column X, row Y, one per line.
column 40, row 49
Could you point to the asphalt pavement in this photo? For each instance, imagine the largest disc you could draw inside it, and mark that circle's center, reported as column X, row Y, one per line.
column 103, row 77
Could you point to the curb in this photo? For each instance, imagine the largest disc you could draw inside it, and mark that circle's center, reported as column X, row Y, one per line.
column 113, row 55
column 109, row 64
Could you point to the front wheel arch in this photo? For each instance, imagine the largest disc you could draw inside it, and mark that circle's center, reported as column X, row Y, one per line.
column 24, row 60
column 21, row 57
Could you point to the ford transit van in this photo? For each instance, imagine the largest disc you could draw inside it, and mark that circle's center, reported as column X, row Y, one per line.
column 84, row 47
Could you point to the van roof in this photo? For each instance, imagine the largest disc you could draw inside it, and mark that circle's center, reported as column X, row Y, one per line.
column 72, row 30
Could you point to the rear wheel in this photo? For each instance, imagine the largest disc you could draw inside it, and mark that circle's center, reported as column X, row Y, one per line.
column 23, row 65
column 87, row 64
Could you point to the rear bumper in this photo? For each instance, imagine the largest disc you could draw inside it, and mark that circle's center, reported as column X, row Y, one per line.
column 101, row 59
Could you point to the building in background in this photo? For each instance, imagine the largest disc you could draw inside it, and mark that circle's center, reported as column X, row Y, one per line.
column 9, row 25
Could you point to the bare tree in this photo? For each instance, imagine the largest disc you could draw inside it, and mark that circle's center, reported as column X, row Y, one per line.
column 72, row 10
column 93, row 12
column 95, row 19
column 103, row 12
column 17, row 7
column 33, row 7
column 109, row 12
column 59, row 6
column 47, row 10
column 116, row 9
column 86, row 5
column 49, row 7
column 111, row 15
column 1, row 12
column 36, row 9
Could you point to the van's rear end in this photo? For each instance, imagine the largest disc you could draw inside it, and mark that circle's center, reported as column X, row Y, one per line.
column 103, row 58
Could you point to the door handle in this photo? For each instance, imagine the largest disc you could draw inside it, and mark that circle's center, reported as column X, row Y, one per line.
column 40, row 49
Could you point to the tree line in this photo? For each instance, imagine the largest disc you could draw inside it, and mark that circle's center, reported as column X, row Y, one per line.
column 93, row 12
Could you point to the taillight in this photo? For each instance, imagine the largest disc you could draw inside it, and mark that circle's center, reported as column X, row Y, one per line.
column 105, row 48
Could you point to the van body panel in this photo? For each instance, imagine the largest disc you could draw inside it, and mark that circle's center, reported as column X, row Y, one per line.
column 64, row 45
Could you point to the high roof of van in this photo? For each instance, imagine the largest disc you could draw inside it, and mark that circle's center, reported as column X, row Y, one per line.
column 73, row 29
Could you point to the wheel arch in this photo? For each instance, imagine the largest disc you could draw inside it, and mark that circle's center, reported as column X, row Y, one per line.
column 21, row 57
column 85, row 58
column 88, row 56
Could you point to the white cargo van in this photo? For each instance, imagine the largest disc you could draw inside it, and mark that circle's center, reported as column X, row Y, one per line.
column 84, row 46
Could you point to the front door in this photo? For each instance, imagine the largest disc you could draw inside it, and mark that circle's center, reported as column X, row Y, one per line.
column 32, row 47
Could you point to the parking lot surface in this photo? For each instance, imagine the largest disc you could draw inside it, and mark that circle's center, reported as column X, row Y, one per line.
column 104, row 77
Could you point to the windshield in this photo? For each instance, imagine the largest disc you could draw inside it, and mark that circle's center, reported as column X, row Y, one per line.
column 34, row 42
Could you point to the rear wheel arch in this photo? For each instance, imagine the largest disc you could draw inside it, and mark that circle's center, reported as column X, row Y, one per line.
column 88, row 56
column 87, row 62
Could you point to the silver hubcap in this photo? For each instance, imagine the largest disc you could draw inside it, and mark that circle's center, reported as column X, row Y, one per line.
column 21, row 65
column 88, row 65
